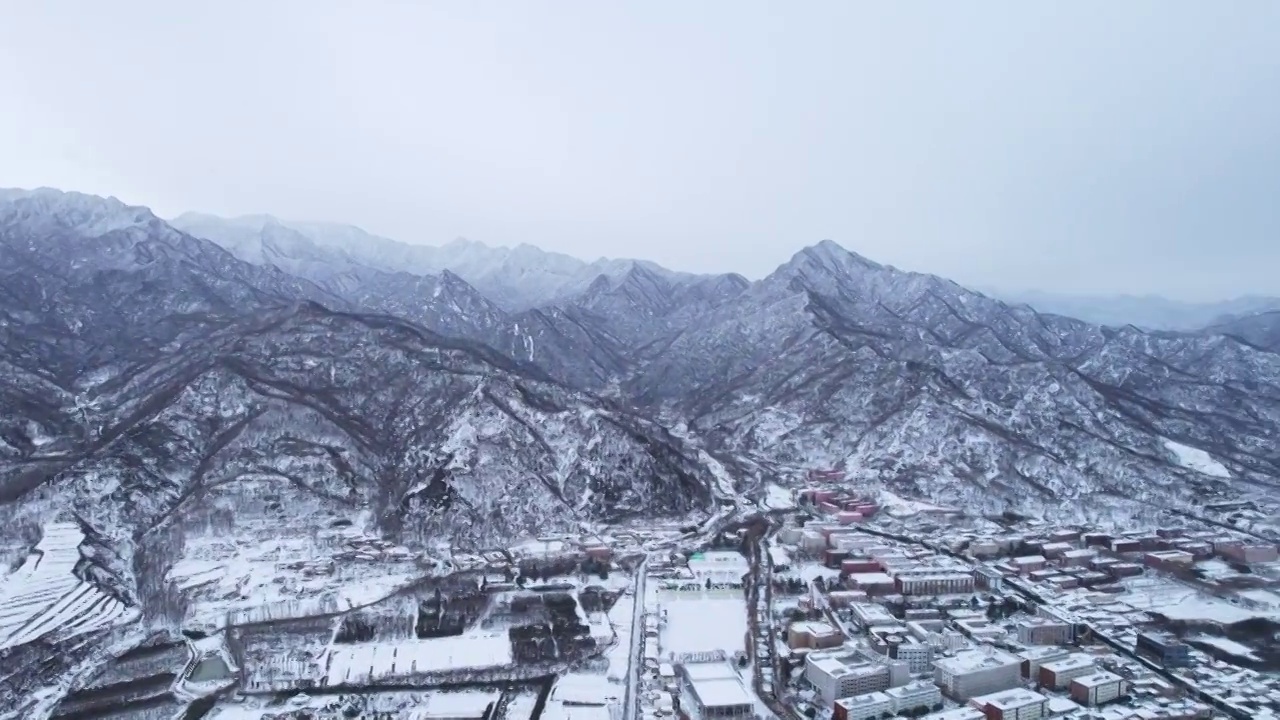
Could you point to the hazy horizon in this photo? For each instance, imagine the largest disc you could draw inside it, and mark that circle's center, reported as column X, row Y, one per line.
column 1074, row 149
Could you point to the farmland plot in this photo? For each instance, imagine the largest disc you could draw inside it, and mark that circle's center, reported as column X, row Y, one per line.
column 44, row 596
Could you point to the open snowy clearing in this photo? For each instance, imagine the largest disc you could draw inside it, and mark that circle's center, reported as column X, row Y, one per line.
column 900, row 507
column 700, row 622
column 778, row 498
column 44, row 596
column 369, row 662
column 1197, row 459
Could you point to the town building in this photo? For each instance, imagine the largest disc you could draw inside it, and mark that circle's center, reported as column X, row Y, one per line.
column 1164, row 649
column 989, row 578
column 1056, row 549
column 962, row 713
column 837, row 676
column 934, row 583
column 1121, row 546
column 868, row 615
column 1078, row 558
column 1028, row 563
column 854, row 566
column 1169, row 559
column 1016, row 704
column 877, row 583
column 1059, row 673
column 863, row 707
column 1253, row 553
column 714, row 690
column 901, row 647
column 919, row 694
column 977, row 672
column 813, row 635
column 1098, row 688
column 1041, row 631
column 1033, row 658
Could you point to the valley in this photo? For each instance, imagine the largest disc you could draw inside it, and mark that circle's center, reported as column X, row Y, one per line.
column 256, row 469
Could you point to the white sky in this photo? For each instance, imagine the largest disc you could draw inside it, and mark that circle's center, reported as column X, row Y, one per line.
column 1092, row 147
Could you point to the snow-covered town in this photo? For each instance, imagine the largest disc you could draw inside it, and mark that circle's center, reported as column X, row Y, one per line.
column 812, row 603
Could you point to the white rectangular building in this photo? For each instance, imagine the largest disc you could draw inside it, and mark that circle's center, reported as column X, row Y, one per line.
column 977, row 672
column 1059, row 673
column 842, row 676
column 1016, row 704
column 863, row 707
column 919, row 694
column 1098, row 688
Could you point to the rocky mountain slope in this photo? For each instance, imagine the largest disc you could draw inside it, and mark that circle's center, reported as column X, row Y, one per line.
column 147, row 366
column 909, row 379
column 832, row 360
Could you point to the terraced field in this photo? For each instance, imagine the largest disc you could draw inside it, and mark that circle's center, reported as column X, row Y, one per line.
column 44, row 596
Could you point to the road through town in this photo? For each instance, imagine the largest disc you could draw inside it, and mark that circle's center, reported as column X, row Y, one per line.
column 631, row 699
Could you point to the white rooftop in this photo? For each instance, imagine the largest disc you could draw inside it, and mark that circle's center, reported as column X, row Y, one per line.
column 972, row 660
column 717, row 684
column 1011, row 699
column 1102, row 677
column 1071, row 662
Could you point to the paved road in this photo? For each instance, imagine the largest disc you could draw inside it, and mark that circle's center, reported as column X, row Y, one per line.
column 632, row 698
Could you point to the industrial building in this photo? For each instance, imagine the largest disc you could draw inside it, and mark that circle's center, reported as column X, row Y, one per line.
column 1098, row 688
column 714, row 690
column 977, row 672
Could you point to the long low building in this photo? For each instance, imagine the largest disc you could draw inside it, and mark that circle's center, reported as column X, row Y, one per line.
column 714, row 690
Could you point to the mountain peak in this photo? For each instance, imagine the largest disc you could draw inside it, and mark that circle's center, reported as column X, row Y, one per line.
column 91, row 215
column 832, row 254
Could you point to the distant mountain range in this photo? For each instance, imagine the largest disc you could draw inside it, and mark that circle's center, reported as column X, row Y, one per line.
column 1145, row 311
column 150, row 367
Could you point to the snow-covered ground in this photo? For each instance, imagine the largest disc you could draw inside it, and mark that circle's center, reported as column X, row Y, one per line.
column 43, row 596
column 1197, row 459
column 698, row 622
column 1180, row 602
column 778, row 498
column 900, row 507
column 1226, row 645
column 372, row 661
column 267, row 573
column 410, row 705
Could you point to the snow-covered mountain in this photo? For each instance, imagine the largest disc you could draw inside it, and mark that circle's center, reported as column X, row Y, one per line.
column 516, row 279
column 144, row 364
column 147, row 371
column 834, row 360
column 1145, row 311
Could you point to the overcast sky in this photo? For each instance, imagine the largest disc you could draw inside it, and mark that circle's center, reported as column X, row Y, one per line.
column 1091, row 147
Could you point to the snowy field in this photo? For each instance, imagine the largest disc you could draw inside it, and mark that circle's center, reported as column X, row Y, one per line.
column 702, row 622
column 1227, row 645
column 1197, row 459
column 897, row 506
column 265, row 574
column 1179, row 602
column 408, row 705
column 366, row 662
column 43, row 596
